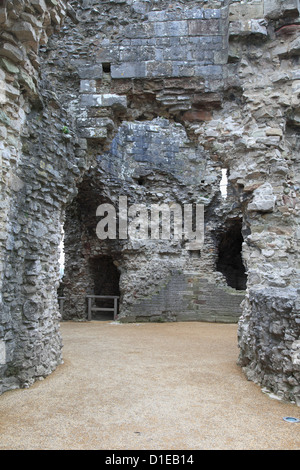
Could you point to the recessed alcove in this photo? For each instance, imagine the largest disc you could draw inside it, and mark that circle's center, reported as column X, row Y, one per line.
column 104, row 282
column 106, row 67
column 229, row 261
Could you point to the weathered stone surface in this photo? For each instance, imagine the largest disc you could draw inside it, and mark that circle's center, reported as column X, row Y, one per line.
column 11, row 52
column 153, row 100
column 267, row 305
column 104, row 100
column 275, row 9
column 203, row 27
column 247, row 28
column 88, row 72
column 3, row 15
column 30, row 344
column 24, row 31
column 39, row 5
column 264, row 199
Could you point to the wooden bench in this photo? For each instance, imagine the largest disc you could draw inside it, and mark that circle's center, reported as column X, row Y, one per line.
column 97, row 309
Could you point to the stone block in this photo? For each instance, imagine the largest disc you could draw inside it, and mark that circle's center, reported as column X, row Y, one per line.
column 210, row 13
column 11, row 91
column 115, row 101
column 9, row 66
column 290, row 7
column 24, row 31
column 39, row 6
column 158, row 69
column 27, row 82
column 87, row 86
column 31, row 310
column 203, row 27
column 95, row 122
column 264, row 199
column 197, row 115
column 206, row 43
column 3, row 15
column 171, row 28
column 4, row 119
column 11, row 52
column 71, row 12
column 220, row 57
column 246, row 28
column 209, row 71
column 135, row 31
column 97, row 133
column 137, row 54
column 195, row 13
column 90, row 100
column 56, row 19
column 31, row 19
column 271, row 131
column 176, row 53
column 105, row 100
column 90, row 72
column 272, row 8
column 183, row 69
column 129, row 70
column 157, row 16
column 275, row 9
column 240, row 11
column 295, row 47
column 281, row 50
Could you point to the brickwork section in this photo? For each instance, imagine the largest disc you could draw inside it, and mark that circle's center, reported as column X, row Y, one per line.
column 186, row 297
column 170, row 44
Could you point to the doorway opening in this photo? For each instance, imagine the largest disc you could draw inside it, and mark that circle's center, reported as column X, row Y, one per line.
column 105, row 279
column 229, row 261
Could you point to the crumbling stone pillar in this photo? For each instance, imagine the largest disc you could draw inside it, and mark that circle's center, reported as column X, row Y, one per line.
column 37, row 179
column 221, row 75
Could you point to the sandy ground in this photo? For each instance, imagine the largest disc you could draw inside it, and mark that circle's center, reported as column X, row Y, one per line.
column 171, row 386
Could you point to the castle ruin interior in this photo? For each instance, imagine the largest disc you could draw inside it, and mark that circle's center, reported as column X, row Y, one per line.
column 155, row 101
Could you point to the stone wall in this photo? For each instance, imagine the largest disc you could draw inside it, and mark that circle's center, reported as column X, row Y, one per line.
column 222, row 74
column 38, row 177
column 151, row 163
column 239, row 105
column 189, row 298
column 172, row 43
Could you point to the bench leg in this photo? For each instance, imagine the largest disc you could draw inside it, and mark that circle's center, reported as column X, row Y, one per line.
column 115, row 308
column 89, row 309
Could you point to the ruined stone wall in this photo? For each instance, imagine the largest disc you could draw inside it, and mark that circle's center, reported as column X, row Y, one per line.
column 225, row 74
column 38, row 177
column 228, row 74
column 151, row 163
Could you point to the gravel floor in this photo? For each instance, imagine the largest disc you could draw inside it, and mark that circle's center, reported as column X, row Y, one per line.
column 170, row 386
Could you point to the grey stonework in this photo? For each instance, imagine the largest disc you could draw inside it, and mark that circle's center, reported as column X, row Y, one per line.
column 151, row 162
column 153, row 98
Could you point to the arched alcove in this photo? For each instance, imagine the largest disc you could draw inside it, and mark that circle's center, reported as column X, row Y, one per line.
column 105, row 279
column 229, row 261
